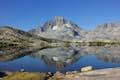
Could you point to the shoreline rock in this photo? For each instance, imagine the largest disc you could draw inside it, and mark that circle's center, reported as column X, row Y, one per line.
column 102, row 74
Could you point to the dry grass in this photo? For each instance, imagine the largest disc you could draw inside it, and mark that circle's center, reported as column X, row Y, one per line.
column 25, row 76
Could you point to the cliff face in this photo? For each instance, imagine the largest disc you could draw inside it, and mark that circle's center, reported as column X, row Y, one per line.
column 62, row 29
column 107, row 31
column 14, row 41
column 59, row 28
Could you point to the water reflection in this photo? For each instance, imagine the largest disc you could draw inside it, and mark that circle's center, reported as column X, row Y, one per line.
column 67, row 58
column 58, row 57
column 110, row 54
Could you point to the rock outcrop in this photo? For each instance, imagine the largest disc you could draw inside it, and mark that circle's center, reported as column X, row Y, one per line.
column 17, row 41
column 62, row 29
column 59, row 28
column 107, row 31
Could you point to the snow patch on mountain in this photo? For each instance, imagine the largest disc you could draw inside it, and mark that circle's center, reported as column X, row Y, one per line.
column 55, row 28
column 61, row 29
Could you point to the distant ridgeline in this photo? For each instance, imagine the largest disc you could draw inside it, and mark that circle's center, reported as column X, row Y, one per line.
column 62, row 29
column 18, row 41
column 54, row 33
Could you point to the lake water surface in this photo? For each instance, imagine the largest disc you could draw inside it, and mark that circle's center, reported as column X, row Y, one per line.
column 64, row 59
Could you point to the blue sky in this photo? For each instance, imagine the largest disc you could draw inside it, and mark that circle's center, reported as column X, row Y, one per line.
column 26, row 14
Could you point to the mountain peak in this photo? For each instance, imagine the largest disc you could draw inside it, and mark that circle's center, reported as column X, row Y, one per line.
column 59, row 17
column 59, row 28
column 59, row 20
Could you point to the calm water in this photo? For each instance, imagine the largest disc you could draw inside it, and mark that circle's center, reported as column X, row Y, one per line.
column 64, row 59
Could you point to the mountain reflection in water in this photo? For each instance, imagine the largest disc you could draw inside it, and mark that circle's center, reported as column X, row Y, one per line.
column 64, row 59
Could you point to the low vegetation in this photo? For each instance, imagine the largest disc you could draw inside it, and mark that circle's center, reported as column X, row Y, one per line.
column 103, row 43
column 25, row 76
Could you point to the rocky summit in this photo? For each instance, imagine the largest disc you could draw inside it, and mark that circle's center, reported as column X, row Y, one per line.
column 107, row 31
column 59, row 28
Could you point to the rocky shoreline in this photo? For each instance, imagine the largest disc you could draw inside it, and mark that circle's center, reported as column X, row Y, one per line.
column 102, row 74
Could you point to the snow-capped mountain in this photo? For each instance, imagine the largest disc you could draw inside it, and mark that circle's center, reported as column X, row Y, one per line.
column 59, row 28
column 62, row 29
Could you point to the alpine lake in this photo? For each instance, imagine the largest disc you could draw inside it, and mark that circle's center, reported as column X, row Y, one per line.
column 63, row 59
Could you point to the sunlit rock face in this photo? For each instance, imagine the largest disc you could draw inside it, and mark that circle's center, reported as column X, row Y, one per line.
column 13, row 40
column 62, row 29
column 107, row 31
column 59, row 28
